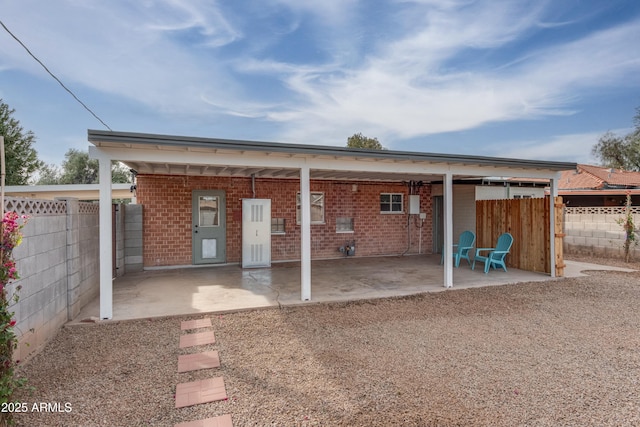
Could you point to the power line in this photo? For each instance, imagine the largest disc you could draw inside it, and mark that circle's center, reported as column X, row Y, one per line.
column 52, row 75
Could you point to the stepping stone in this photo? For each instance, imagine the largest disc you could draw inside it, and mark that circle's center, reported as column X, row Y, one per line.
column 200, row 338
column 195, row 324
column 221, row 421
column 193, row 362
column 203, row 391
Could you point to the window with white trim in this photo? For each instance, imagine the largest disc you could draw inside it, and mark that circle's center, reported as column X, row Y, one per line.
column 344, row 225
column 277, row 226
column 391, row 202
column 317, row 208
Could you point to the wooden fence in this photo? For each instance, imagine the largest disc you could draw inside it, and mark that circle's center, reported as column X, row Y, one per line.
column 528, row 221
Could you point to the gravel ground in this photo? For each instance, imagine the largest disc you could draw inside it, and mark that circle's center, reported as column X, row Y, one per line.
column 561, row 353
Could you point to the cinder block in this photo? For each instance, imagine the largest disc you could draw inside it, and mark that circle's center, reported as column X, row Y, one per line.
column 133, row 242
column 580, row 240
column 599, row 218
column 576, row 225
column 615, row 235
column 592, row 241
column 133, row 260
column 133, row 251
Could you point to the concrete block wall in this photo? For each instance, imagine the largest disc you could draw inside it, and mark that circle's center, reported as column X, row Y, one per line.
column 118, row 221
column 58, row 263
column 41, row 261
column 89, row 260
column 597, row 234
column 167, row 217
column 132, row 238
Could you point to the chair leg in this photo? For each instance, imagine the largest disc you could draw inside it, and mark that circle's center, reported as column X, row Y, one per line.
column 487, row 263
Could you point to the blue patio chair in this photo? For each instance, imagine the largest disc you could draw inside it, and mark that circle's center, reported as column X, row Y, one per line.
column 495, row 256
column 462, row 248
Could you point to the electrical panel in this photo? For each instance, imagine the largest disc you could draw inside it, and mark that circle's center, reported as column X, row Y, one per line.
column 414, row 204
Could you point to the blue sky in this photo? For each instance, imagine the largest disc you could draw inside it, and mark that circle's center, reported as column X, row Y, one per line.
column 508, row 78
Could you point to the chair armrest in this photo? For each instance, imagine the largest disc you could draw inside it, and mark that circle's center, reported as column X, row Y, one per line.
column 483, row 249
column 499, row 253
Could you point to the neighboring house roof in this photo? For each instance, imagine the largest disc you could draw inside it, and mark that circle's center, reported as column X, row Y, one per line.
column 589, row 177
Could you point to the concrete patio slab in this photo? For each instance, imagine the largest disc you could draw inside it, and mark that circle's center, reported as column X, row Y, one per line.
column 228, row 288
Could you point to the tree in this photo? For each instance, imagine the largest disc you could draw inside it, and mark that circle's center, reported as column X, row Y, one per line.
column 49, row 175
column 620, row 152
column 358, row 140
column 21, row 159
column 78, row 168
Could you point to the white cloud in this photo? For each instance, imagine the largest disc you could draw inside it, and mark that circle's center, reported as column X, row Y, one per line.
column 416, row 72
column 571, row 147
column 126, row 49
column 412, row 87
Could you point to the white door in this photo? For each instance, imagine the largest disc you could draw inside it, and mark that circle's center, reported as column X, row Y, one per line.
column 256, row 233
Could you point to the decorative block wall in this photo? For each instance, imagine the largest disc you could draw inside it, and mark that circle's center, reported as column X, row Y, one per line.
column 58, row 263
column 595, row 231
column 168, row 231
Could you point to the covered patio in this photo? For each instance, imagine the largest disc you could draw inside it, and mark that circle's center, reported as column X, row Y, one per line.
column 229, row 288
column 193, row 159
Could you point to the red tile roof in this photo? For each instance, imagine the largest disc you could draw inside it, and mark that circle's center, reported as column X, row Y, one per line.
column 598, row 177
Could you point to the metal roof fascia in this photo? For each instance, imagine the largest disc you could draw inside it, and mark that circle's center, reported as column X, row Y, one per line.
column 95, row 136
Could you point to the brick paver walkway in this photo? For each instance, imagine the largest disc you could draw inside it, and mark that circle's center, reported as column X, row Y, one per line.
column 193, row 362
column 196, row 323
column 200, row 338
column 221, row 421
column 202, row 391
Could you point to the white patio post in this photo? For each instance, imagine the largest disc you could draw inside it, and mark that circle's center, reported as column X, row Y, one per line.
column 448, row 229
column 553, row 193
column 305, row 234
column 106, row 261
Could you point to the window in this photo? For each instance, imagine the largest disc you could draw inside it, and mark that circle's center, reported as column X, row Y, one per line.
column 317, row 208
column 277, row 226
column 391, row 203
column 208, row 211
column 344, row 225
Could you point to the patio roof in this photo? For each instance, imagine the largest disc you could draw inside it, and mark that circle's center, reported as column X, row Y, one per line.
column 179, row 155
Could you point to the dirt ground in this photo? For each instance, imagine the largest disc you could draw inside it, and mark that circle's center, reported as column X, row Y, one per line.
column 563, row 352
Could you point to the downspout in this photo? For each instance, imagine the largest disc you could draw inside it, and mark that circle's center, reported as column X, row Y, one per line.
column 253, row 184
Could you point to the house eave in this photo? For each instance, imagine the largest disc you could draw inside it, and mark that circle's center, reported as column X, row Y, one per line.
column 130, row 139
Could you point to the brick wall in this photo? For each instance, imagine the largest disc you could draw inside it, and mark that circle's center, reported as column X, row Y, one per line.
column 167, row 217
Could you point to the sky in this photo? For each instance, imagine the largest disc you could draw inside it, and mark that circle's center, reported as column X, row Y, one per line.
column 531, row 79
